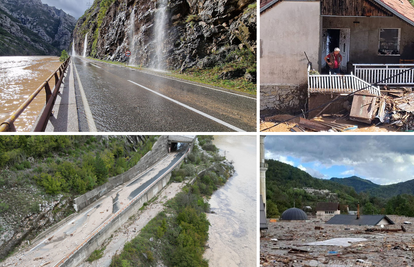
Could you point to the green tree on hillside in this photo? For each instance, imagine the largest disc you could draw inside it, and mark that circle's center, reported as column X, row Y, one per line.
column 64, row 56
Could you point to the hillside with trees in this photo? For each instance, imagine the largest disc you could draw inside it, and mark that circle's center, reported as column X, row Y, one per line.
column 359, row 184
column 285, row 188
column 41, row 175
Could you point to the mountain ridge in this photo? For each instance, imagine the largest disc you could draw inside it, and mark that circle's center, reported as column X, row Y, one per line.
column 29, row 27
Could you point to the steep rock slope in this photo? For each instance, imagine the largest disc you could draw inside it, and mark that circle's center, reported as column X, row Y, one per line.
column 28, row 27
column 199, row 34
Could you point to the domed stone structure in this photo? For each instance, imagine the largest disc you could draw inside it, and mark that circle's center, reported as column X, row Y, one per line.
column 294, row 214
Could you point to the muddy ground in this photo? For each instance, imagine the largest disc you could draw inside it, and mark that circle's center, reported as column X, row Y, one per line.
column 285, row 243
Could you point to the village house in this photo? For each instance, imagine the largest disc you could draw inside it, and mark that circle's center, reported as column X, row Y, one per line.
column 376, row 39
column 327, row 208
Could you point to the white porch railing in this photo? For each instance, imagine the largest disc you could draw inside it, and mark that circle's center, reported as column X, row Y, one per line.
column 386, row 74
column 342, row 84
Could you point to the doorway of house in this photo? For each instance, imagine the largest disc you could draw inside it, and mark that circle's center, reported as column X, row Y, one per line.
column 332, row 38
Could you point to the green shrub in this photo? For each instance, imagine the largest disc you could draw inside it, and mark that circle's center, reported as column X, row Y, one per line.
column 100, row 170
column 3, row 207
column 51, row 184
column 96, row 255
column 210, row 147
column 64, row 56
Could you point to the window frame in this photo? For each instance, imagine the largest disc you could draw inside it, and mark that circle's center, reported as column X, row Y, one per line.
column 398, row 42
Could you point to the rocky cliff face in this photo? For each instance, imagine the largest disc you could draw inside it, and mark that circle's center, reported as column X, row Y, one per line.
column 196, row 33
column 29, row 27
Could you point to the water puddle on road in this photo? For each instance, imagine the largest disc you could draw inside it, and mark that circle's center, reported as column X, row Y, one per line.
column 233, row 230
column 19, row 78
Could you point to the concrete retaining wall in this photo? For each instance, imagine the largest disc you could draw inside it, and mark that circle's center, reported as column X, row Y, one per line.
column 96, row 240
column 159, row 151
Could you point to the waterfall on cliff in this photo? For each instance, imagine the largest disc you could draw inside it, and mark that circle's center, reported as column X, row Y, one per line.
column 73, row 48
column 131, row 39
column 85, row 45
column 160, row 21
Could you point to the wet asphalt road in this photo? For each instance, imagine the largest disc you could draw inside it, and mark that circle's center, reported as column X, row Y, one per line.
column 118, row 105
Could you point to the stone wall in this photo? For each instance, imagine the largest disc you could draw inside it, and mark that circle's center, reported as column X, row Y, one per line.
column 159, row 151
column 289, row 99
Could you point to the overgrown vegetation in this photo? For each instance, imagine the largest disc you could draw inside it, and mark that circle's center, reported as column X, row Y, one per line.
column 96, row 255
column 177, row 236
column 284, row 186
column 65, row 164
column 237, row 61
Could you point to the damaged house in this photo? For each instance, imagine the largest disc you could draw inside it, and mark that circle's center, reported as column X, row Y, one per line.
column 376, row 39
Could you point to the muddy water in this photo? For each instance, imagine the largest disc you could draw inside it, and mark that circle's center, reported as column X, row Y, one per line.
column 19, row 78
column 232, row 235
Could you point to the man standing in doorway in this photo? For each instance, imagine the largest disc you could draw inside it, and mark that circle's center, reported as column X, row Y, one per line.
column 334, row 62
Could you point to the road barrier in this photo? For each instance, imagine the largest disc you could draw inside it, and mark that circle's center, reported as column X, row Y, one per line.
column 75, row 257
column 43, row 118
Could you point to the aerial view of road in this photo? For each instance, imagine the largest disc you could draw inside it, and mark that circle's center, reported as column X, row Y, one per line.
column 59, row 243
column 124, row 99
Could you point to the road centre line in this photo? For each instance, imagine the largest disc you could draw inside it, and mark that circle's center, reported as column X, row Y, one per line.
column 184, row 81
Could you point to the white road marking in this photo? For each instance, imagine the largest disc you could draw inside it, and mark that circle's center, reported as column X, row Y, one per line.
column 96, row 66
column 192, row 109
column 88, row 113
column 182, row 80
column 72, row 108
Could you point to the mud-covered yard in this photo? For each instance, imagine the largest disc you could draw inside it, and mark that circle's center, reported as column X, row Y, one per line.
column 286, row 243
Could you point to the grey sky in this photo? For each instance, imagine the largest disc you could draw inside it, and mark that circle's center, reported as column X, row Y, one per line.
column 381, row 159
column 76, row 8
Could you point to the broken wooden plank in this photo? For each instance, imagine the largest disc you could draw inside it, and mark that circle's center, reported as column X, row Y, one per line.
column 363, row 107
column 313, row 125
column 281, row 118
column 381, row 110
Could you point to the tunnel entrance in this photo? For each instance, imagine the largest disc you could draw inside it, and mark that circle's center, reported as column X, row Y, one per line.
column 175, row 146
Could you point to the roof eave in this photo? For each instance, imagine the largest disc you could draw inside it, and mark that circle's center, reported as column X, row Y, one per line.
column 268, row 5
column 393, row 11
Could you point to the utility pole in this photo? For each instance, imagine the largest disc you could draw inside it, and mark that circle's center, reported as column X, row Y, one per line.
column 88, row 4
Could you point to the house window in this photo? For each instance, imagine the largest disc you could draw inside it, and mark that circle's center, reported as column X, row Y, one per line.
column 389, row 42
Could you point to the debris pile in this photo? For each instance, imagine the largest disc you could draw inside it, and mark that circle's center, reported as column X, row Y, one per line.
column 308, row 243
column 394, row 109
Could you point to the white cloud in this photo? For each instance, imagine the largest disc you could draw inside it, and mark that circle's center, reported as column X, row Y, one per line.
column 300, row 167
column 348, row 172
column 383, row 159
column 285, row 160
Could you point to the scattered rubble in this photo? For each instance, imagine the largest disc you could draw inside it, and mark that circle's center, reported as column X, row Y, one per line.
column 306, row 243
column 392, row 111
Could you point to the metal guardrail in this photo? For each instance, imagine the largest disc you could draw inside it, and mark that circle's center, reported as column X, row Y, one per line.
column 43, row 118
column 343, row 84
column 386, row 74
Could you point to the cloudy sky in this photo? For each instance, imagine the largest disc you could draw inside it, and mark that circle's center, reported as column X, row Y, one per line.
column 381, row 159
column 75, row 8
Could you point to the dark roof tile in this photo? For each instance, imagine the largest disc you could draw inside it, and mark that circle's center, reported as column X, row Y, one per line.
column 363, row 219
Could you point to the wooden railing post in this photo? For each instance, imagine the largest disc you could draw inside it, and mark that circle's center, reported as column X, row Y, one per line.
column 8, row 125
column 48, row 92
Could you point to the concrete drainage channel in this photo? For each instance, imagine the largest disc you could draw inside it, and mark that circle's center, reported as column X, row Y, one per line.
column 104, row 231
